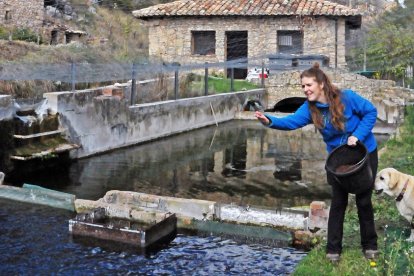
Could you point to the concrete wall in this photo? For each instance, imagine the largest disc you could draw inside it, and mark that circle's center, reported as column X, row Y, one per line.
column 6, row 107
column 6, row 132
column 100, row 122
column 170, row 39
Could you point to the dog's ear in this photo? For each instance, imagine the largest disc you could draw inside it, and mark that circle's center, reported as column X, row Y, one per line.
column 394, row 178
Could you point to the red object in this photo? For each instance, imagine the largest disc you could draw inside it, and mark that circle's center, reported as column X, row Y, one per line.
column 260, row 76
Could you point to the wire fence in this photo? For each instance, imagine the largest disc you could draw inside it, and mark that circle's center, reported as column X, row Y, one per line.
column 116, row 71
column 157, row 81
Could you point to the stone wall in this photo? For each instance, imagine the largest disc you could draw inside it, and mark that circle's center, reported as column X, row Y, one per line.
column 287, row 84
column 387, row 98
column 170, row 39
column 15, row 13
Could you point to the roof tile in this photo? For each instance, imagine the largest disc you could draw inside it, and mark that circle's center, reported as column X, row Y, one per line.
column 246, row 8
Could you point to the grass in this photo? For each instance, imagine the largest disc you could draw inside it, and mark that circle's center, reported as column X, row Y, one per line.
column 397, row 255
column 220, row 85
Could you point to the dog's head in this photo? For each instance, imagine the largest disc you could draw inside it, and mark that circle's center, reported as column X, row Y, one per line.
column 387, row 181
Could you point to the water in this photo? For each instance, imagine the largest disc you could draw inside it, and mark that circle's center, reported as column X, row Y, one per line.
column 239, row 162
column 34, row 240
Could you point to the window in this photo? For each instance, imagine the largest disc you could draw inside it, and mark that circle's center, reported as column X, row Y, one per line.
column 290, row 42
column 285, row 40
column 8, row 16
column 203, row 42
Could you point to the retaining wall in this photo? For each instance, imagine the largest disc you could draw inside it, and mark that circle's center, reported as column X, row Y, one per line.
column 102, row 119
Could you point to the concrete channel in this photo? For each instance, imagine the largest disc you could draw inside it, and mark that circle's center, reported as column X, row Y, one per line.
column 99, row 121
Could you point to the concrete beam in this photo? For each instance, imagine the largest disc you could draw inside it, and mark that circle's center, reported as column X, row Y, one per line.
column 38, row 195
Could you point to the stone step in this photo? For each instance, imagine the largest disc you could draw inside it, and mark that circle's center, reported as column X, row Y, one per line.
column 42, row 154
column 41, row 134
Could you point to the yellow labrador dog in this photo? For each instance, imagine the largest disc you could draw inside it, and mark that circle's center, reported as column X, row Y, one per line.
column 400, row 186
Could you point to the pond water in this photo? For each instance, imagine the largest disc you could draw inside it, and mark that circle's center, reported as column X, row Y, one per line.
column 238, row 162
column 35, row 241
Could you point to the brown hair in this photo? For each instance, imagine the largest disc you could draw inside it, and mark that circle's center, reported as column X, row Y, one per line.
column 333, row 96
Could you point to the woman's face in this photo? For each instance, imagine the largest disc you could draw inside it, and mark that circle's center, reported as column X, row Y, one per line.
column 313, row 90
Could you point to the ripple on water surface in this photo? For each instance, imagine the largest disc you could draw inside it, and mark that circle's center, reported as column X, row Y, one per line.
column 35, row 240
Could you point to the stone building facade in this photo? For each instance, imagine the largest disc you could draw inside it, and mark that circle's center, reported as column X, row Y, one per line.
column 15, row 13
column 262, row 30
column 170, row 39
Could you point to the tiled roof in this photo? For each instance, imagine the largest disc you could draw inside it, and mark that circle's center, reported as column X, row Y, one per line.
column 246, row 8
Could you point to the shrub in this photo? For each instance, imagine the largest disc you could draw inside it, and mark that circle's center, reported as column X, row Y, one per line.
column 25, row 35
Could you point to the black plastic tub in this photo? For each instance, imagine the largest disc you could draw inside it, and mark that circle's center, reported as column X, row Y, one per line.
column 349, row 166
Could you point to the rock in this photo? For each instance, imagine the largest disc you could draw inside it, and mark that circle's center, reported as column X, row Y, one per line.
column 318, row 215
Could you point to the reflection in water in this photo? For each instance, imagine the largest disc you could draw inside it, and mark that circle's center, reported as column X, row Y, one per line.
column 238, row 162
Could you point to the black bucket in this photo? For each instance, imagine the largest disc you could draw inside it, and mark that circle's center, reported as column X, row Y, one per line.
column 349, row 166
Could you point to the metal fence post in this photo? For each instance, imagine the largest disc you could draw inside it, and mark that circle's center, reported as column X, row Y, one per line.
column 176, row 80
column 232, row 78
column 72, row 75
column 134, row 83
column 206, row 79
column 263, row 76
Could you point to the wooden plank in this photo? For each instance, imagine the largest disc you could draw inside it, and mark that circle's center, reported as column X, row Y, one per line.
column 41, row 134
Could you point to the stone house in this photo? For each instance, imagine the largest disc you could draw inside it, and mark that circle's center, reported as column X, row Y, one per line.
column 196, row 31
column 42, row 17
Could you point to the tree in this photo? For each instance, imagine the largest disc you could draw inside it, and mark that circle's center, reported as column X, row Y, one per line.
column 390, row 41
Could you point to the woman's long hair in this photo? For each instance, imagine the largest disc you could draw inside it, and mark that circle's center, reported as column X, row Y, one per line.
column 333, row 96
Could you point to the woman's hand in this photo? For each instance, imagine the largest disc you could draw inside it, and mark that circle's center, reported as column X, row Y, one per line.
column 352, row 140
column 262, row 118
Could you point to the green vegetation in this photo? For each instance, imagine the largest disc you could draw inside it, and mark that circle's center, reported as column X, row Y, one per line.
column 39, row 146
column 21, row 34
column 224, row 85
column 194, row 84
column 388, row 43
column 396, row 256
column 113, row 36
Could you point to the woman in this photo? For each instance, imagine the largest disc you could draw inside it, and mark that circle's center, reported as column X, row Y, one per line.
column 341, row 117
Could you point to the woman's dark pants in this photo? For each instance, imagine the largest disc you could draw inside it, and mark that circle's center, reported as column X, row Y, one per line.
column 365, row 213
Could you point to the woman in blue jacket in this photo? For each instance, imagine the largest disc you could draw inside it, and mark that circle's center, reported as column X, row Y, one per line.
column 341, row 117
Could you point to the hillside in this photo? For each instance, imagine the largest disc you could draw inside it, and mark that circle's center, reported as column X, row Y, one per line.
column 113, row 35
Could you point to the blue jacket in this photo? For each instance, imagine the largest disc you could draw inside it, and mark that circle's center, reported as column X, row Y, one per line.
column 360, row 117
